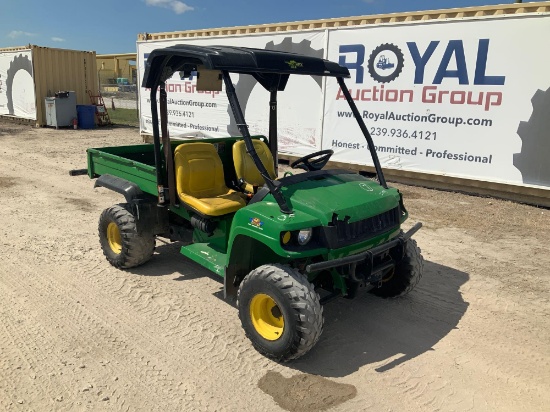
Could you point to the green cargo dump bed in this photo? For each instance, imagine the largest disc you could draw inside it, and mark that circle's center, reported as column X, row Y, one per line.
column 134, row 163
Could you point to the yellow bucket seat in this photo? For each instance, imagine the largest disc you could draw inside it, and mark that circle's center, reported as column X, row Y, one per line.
column 200, row 181
column 246, row 169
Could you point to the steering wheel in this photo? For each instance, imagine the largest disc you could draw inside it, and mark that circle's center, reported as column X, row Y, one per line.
column 320, row 159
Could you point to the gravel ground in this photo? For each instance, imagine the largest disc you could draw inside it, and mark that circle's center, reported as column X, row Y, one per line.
column 78, row 334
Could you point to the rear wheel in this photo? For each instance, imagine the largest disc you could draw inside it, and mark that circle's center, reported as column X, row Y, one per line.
column 405, row 276
column 120, row 242
column 280, row 312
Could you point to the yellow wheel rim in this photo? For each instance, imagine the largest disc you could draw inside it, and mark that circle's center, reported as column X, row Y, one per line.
column 389, row 276
column 114, row 238
column 266, row 317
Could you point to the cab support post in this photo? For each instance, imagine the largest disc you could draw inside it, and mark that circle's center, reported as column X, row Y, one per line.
column 274, row 186
column 168, row 158
column 273, row 144
column 156, row 144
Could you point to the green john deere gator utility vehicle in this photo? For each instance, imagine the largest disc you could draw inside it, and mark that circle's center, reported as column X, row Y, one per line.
column 278, row 243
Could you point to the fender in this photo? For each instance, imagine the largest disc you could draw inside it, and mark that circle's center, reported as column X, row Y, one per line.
column 130, row 190
column 246, row 253
column 149, row 217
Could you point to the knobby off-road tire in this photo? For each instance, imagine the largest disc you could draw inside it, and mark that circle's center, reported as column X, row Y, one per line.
column 121, row 244
column 280, row 312
column 405, row 276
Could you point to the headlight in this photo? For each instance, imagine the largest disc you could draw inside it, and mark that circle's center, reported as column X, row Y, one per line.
column 304, row 236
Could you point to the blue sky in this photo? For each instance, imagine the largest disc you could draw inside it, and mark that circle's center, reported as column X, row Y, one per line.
column 112, row 26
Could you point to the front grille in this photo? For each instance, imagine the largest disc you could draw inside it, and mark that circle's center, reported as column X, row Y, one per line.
column 342, row 233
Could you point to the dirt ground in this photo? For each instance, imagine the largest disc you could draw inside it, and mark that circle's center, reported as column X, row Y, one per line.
column 78, row 334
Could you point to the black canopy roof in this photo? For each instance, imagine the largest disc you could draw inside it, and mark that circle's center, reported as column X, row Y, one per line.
column 162, row 63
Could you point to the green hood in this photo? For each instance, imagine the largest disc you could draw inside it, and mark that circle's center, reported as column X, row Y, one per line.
column 350, row 195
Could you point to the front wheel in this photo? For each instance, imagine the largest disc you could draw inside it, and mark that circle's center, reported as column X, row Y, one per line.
column 280, row 312
column 405, row 276
column 122, row 246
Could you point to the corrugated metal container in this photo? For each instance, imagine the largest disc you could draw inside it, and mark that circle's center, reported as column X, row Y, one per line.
column 528, row 194
column 59, row 70
column 458, row 13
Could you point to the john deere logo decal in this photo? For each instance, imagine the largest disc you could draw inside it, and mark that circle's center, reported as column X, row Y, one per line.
column 256, row 222
column 293, row 64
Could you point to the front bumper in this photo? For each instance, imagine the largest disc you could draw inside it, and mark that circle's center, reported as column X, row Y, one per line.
column 367, row 259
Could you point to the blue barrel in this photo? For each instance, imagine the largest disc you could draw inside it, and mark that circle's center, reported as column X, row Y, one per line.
column 86, row 116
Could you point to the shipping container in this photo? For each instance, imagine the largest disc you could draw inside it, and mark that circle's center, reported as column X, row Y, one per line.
column 342, row 22
column 456, row 98
column 115, row 70
column 31, row 73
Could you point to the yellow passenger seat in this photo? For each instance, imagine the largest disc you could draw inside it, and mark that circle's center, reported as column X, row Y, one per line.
column 246, row 169
column 200, row 181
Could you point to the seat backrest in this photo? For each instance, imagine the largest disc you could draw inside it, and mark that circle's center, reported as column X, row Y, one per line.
column 199, row 170
column 244, row 165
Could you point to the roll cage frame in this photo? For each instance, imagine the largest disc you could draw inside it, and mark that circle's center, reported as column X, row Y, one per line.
column 270, row 68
